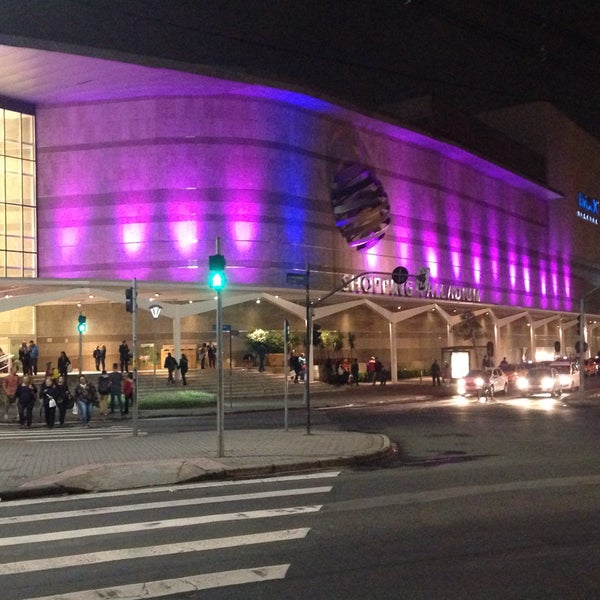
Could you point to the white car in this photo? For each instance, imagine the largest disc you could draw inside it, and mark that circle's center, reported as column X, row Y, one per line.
column 473, row 382
column 568, row 374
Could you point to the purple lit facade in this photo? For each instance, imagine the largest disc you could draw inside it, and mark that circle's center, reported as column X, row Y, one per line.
column 141, row 187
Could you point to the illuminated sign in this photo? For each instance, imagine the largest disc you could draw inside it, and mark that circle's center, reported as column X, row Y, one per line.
column 378, row 286
column 587, row 208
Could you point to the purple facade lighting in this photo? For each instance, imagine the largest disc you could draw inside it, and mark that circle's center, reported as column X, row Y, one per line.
column 253, row 165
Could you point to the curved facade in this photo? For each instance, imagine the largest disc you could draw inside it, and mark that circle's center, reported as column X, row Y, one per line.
column 141, row 187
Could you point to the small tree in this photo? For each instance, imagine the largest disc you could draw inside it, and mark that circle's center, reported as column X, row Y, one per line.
column 470, row 329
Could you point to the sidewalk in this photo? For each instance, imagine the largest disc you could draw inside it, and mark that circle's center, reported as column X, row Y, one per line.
column 86, row 465
column 32, row 469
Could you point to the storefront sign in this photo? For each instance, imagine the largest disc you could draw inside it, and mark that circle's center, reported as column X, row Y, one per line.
column 587, row 208
column 377, row 286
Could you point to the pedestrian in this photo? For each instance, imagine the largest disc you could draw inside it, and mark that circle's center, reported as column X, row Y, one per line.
column 103, row 357
column 64, row 365
column 26, row 396
column 124, row 356
column 128, row 389
column 85, row 396
column 302, row 366
column 25, row 358
column 10, row 385
column 295, row 366
column 96, row 356
column 446, row 373
column 378, row 372
column 34, row 353
column 103, row 391
column 48, row 395
column 116, row 387
column 212, row 355
column 436, row 373
column 261, row 350
column 171, row 366
column 371, row 369
column 64, row 399
column 183, row 367
column 354, row 371
column 202, row 354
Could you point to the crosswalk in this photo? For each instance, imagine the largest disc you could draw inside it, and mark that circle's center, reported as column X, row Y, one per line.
column 68, row 548
column 69, row 433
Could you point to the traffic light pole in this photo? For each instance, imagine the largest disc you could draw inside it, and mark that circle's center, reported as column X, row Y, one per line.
column 220, row 395
column 80, row 349
column 134, row 408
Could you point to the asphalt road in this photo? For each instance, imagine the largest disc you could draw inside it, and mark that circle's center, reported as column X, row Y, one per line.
column 482, row 501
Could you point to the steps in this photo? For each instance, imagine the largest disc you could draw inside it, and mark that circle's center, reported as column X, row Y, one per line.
column 237, row 383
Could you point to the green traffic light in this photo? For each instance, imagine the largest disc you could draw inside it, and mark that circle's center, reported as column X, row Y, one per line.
column 216, row 272
column 82, row 327
column 216, row 280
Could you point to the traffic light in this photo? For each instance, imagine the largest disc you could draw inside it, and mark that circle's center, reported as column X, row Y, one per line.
column 216, row 272
column 82, row 325
column 317, row 335
column 286, row 331
column 578, row 325
column 129, row 299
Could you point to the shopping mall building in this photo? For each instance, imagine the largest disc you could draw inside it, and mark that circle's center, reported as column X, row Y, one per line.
column 114, row 171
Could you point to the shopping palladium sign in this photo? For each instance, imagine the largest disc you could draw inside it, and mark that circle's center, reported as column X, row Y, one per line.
column 379, row 286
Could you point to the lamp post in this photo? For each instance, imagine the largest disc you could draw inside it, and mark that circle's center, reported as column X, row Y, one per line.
column 155, row 311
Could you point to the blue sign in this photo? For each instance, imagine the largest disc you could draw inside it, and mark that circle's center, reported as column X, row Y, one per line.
column 587, row 208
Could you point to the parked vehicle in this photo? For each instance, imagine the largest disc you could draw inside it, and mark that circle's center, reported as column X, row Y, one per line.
column 568, row 373
column 540, row 380
column 590, row 367
column 476, row 380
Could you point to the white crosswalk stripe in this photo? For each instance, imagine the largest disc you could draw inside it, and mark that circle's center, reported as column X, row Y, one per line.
column 94, row 531
column 40, row 435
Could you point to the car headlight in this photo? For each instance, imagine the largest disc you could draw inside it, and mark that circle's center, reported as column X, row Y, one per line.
column 479, row 382
column 565, row 380
column 522, row 383
column 547, row 383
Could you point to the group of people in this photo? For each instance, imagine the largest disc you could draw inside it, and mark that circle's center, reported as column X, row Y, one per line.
column 56, row 398
column 173, row 367
column 207, row 355
column 28, row 358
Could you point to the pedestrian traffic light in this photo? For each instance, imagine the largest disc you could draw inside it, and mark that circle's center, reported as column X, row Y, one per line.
column 317, row 335
column 82, row 325
column 216, row 272
column 286, row 331
column 129, row 299
column 578, row 325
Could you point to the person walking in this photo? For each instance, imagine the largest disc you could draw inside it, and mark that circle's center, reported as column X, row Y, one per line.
column 26, row 396
column 34, row 353
column 436, row 373
column 10, row 385
column 212, row 355
column 64, row 399
column 354, row 371
column 371, row 369
column 48, row 395
column 63, row 365
column 96, row 356
column 103, row 357
column 85, row 396
column 183, row 368
column 116, row 388
column 171, row 366
column 202, row 354
column 25, row 358
column 128, row 389
column 103, row 391
column 378, row 372
column 124, row 356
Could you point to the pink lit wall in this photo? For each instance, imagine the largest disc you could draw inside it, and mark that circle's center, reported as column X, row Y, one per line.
column 142, row 188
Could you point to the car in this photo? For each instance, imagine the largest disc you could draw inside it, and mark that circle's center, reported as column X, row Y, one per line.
column 568, row 373
column 540, row 380
column 590, row 367
column 473, row 382
column 511, row 371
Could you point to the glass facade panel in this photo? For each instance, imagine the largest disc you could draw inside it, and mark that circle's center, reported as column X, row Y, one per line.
column 18, row 218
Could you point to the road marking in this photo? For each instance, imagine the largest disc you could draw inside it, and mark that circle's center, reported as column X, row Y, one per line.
column 181, row 585
column 155, row 525
column 171, row 488
column 167, row 504
column 93, row 558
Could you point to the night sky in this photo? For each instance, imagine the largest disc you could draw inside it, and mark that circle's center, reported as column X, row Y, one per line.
column 475, row 55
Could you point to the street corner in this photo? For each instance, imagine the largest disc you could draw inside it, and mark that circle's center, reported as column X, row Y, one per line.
column 122, row 476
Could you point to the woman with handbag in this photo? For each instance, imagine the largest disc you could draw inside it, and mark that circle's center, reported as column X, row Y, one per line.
column 64, row 399
column 49, row 394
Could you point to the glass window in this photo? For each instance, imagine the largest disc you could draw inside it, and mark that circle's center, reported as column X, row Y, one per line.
column 18, row 218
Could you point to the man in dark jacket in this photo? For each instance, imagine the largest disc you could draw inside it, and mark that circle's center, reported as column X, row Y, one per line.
column 171, row 366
